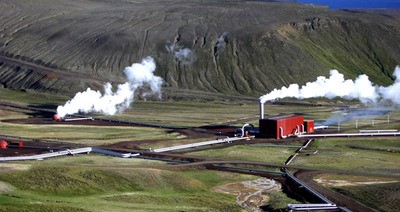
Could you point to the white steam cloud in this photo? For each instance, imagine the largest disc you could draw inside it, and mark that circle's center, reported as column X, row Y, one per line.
column 185, row 56
column 392, row 92
column 336, row 86
column 110, row 103
column 223, row 38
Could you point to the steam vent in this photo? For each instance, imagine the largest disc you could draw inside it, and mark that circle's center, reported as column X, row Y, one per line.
column 283, row 126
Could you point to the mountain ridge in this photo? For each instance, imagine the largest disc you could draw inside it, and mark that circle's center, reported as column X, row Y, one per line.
column 227, row 47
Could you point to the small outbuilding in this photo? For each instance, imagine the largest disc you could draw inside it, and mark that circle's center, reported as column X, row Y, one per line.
column 309, row 126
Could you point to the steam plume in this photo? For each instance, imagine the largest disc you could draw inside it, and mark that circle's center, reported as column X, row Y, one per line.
column 186, row 56
column 351, row 115
column 392, row 92
column 183, row 55
column 336, row 86
column 110, row 103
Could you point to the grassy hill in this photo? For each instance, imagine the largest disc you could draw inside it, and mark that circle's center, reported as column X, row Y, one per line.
column 228, row 47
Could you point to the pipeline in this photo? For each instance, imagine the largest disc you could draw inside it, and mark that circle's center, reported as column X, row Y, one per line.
column 69, row 152
column 281, row 131
column 261, row 110
column 349, row 135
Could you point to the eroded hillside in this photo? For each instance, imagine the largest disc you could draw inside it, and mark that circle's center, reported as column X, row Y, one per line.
column 231, row 48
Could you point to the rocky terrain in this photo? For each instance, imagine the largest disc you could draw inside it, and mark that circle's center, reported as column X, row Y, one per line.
column 226, row 47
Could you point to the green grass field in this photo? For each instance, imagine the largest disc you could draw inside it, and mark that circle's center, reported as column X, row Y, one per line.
column 371, row 160
column 384, row 197
column 365, row 155
column 86, row 182
column 31, row 98
column 381, row 193
column 254, row 152
column 87, row 135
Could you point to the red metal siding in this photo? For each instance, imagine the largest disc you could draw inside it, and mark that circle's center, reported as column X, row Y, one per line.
column 290, row 124
column 309, row 126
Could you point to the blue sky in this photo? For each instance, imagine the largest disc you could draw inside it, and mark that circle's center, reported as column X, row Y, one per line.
column 341, row 4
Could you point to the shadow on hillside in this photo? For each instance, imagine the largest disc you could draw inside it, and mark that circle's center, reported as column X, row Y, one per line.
column 47, row 112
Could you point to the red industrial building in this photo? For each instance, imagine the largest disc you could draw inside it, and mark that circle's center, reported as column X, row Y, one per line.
column 284, row 126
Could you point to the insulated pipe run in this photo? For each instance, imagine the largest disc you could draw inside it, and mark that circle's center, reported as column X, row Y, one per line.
column 79, row 119
column 243, row 128
column 261, row 110
column 281, row 131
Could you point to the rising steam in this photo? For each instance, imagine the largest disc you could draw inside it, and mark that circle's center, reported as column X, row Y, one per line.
column 336, row 86
column 185, row 56
column 110, row 103
column 182, row 55
column 351, row 115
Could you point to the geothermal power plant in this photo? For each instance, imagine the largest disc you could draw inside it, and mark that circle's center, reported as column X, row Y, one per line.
column 271, row 129
column 278, row 127
column 283, row 126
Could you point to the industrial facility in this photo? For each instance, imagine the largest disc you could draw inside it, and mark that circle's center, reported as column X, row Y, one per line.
column 15, row 148
column 283, row 126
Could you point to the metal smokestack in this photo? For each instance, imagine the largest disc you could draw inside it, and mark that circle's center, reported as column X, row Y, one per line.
column 261, row 110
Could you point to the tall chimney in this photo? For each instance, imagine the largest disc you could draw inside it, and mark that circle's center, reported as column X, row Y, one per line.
column 261, row 110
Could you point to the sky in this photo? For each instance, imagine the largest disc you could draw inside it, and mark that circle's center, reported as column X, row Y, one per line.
column 347, row 4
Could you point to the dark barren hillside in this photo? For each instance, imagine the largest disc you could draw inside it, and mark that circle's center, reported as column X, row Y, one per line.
column 229, row 47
